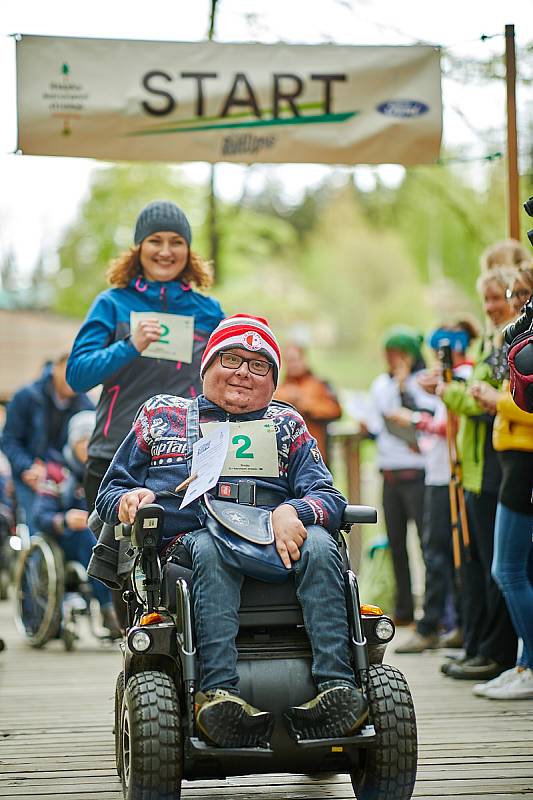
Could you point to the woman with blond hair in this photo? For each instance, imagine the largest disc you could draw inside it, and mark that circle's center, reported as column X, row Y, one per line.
column 490, row 639
column 512, row 565
column 129, row 341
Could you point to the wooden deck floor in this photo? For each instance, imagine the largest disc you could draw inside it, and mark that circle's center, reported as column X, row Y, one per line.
column 56, row 733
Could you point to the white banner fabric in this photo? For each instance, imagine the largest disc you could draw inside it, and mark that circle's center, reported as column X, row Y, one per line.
column 207, row 101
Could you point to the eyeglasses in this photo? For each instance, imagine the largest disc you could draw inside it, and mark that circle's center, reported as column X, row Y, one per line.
column 520, row 294
column 257, row 366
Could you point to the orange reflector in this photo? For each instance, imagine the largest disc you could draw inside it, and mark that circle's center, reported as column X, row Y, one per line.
column 150, row 619
column 374, row 611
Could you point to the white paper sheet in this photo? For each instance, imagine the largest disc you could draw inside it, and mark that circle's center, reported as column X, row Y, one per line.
column 208, row 456
column 176, row 339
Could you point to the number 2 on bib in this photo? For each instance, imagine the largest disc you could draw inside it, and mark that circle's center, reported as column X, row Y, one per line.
column 242, row 451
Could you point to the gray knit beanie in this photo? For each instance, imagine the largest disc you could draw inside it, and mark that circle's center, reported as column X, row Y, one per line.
column 161, row 215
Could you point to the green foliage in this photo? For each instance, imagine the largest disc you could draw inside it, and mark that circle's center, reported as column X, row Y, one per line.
column 336, row 268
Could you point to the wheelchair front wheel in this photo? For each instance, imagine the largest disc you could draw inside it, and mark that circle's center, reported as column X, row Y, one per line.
column 39, row 587
column 151, row 741
column 388, row 769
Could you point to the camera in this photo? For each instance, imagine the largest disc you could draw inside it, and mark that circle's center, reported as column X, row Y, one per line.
column 523, row 324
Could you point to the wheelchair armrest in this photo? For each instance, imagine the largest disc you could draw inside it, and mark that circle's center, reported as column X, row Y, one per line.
column 359, row 514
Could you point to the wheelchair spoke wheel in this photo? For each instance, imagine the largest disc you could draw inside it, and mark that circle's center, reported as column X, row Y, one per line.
column 39, row 587
column 388, row 768
column 119, row 695
column 151, row 741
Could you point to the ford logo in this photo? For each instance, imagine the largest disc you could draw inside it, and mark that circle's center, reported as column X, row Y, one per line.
column 402, row 108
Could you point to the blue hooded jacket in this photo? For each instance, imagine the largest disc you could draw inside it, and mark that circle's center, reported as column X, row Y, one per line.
column 26, row 435
column 103, row 353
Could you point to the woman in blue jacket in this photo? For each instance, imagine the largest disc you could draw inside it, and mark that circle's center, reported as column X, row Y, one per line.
column 129, row 344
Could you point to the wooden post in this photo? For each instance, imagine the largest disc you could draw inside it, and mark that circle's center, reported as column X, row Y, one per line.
column 353, row 476
column 512, row 138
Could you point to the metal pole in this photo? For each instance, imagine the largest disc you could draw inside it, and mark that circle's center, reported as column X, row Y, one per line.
column 212, row 215
column 512, row 138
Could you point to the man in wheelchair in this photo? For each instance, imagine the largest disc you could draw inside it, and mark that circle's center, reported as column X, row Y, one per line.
column 240, row 369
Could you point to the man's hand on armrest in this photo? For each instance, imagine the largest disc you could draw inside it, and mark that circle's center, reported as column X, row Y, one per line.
column 289, row 533
column 131, row 502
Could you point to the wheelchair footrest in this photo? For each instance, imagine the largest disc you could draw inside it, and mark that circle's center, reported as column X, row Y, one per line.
column 364, row 736
column 202, row 748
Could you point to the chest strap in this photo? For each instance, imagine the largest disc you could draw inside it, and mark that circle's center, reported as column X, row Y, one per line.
column 246, row 493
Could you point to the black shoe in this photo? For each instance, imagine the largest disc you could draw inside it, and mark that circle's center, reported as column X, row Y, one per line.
column 335, row 712
column 444, row 668
column 477, row 668
column 110, row 623
column 229, row 721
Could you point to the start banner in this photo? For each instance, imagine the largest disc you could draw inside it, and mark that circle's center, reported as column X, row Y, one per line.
column 163, row 101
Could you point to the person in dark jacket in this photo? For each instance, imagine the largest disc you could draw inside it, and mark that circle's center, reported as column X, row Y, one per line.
column 146, row 334
column 35, row 430
column 240, row 370
column 61, row 509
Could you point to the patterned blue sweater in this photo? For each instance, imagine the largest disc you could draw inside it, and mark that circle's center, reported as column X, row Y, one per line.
column 154, row 455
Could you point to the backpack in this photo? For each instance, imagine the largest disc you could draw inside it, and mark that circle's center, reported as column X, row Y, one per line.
column 521, row 371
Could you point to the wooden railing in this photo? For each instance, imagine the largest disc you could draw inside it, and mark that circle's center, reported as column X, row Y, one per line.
column 344, row 443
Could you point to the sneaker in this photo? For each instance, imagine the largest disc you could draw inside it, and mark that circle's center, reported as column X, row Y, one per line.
column 520, row 688
column 337, row 711
column 505, row 677
column 452, row 640
column 110, row 622
column 418, row 643
column 229, row 721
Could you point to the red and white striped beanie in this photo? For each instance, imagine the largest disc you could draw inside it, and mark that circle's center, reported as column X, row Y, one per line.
column 250, row 333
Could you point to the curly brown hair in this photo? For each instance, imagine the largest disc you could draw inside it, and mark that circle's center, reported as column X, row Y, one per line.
column 505, row 253
column 128, row 264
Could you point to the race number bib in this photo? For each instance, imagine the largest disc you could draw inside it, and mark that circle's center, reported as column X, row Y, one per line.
column 252, row 448
column 175, row 343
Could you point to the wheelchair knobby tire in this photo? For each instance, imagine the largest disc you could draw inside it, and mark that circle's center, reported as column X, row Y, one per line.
column 39, row 588
column 119, row 696
column 388, row 770
column 151, row 740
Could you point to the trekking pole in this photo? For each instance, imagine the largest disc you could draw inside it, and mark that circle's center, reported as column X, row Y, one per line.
column 457, row 499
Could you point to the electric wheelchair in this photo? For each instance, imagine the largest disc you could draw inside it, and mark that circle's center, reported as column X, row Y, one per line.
column 157, row 744
column 51, row 595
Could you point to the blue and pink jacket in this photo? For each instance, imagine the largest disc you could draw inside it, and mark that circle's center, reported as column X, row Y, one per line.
column 103, row 353
column 154, row 455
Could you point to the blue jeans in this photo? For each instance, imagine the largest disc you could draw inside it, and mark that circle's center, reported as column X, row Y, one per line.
column 320, row 591
column 78, row 546
column 25, row 504
column 513, row 548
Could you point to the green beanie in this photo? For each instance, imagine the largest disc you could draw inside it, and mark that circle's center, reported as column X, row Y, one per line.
column 401, row 337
